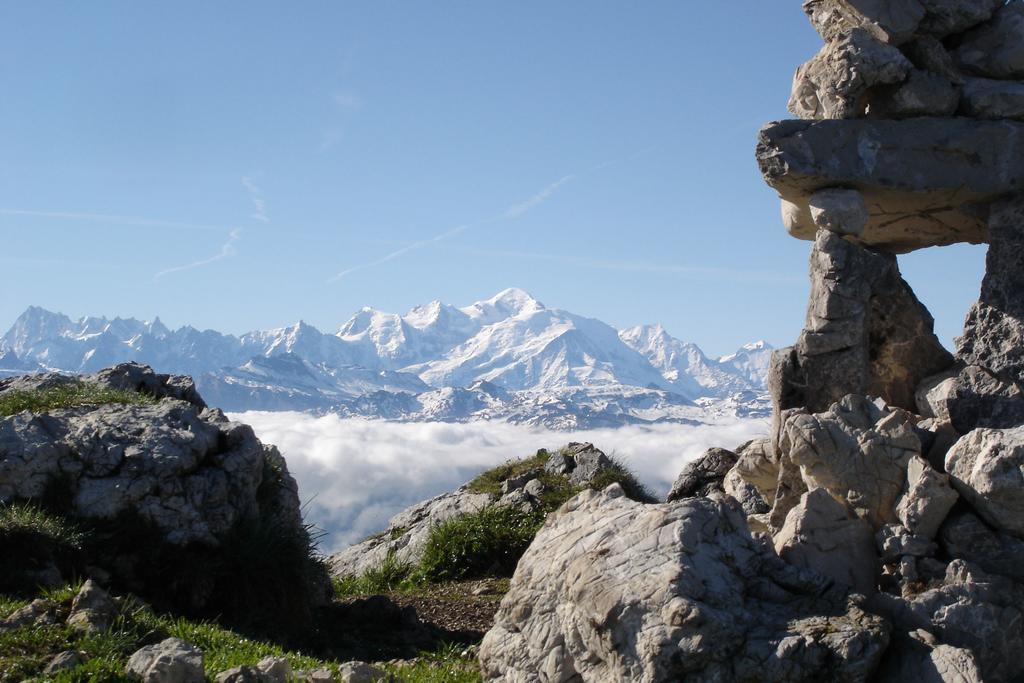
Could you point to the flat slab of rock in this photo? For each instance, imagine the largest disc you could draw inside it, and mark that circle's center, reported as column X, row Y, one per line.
column 614, row 590
column 926, row 181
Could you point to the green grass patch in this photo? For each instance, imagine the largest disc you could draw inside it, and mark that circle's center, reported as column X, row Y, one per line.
column 72, row 395
column 449, row 664
column 386, row 577
column 485, row 543
column 620, row 474
column 491, row 480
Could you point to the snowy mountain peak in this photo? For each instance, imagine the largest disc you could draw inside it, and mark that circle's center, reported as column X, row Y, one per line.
column 507, row 303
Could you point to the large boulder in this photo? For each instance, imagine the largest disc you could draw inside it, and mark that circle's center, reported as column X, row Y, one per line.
column 970, row 397
column 856, row 451
column 614, row 590
column 835, row 83
column 967, row 537
column 865, row 333
column 926, row 181
column 928, row 499
column 987, row 468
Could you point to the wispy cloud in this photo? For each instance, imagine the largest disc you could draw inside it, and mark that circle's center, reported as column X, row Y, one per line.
column 258, row 203
column 344, row 104
column 697, row 272
column 227, row 250
column 109, row 219
column 510, row 213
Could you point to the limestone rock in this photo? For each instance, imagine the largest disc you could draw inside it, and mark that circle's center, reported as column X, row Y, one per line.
column 169, row 661
column 891, row 21
column 92, row 610
column 615, row 590
column 987, row 468
column 581, row 462
column 988, row 99
column 994, row 331
column 971, row 397
column 926, row 181
column 241, row 674
column 928, row 500
column 835, row 83
column 995, row 50
column 918, row 656
column 857, row 451
column 979, row 612
column 966, row 537
column 703, row 476
column 820, row 534
column 946, row 17
column 895, row 542
column 839, row 210
column 865, row 333
column 923, row 93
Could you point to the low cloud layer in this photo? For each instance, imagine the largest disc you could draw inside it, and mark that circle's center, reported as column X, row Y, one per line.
column 355, row 474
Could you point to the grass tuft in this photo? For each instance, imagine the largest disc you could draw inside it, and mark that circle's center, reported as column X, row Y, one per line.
column 33, row 543
column 72, row 395
column 390, row 575
column 491, row 480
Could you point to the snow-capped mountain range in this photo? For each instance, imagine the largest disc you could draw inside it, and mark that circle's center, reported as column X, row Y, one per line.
column 508, row 357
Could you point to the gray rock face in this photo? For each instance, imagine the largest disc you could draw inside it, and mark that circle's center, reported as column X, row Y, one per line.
column 856, row 451
column 994, row 331
column 703, row 476
column 835, row 83
column 758, row 465
column 169, row 661
column 614, row 590
column 946, row 17
column 988, row 99
column 987, row 468
column 891, row 21
column 865, row 333
column 923, row 93
column 63, row 661
column 190, row 472
column 995, row 49
column 979, row 612
column 926, row 181
column 820, row 534
column 966, row 537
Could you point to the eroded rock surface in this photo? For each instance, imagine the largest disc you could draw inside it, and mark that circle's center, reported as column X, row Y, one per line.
column 987, row 468
column 615, row 590
column 703, row 476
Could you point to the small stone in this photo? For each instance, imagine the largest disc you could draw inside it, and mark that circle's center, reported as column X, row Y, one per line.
column 360, row 672
column 63, row 661
column 92, row 610
column 169, row 661
column 275, row 669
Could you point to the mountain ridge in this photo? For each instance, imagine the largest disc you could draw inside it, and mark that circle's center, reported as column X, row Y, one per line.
column 508, row 357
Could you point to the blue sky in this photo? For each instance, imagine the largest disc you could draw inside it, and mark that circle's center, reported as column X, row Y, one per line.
column 242, row 165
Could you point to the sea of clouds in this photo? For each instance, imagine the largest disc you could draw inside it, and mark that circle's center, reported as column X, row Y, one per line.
column 354, row 474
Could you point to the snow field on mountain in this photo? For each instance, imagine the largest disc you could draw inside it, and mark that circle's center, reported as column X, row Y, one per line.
column 354, row 474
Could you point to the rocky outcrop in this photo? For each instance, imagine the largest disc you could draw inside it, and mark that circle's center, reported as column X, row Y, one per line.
column 615, row 590
column 865, row 333
column 178, row 499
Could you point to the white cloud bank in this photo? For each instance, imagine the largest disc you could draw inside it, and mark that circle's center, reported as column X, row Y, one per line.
column 354, row 474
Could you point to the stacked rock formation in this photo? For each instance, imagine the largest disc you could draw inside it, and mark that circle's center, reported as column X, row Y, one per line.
column 878, row 532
